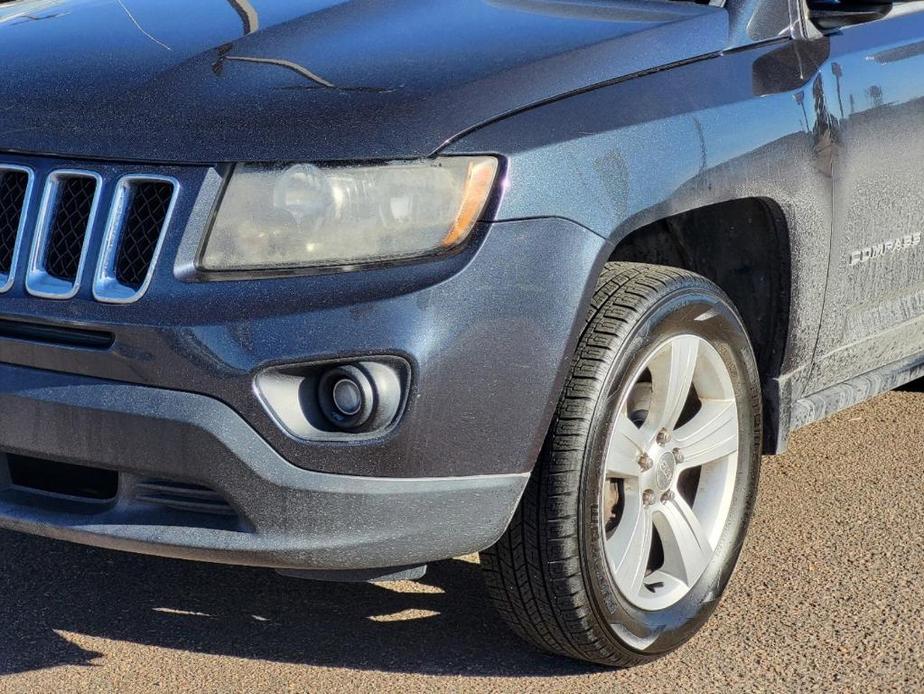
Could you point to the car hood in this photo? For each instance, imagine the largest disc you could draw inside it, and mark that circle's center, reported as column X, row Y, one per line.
column 322, row 80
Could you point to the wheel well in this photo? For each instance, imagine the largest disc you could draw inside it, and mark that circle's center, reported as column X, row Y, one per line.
column 743, row 246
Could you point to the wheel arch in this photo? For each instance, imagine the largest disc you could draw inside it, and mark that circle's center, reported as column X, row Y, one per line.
column 743, row 246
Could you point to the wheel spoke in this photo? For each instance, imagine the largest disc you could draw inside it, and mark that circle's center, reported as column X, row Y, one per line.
column 630, row 544
column 687, row 549
column 711, row 435
column 671, row 379
column 623, row 449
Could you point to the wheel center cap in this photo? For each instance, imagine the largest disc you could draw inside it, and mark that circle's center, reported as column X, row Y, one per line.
column 664, row 470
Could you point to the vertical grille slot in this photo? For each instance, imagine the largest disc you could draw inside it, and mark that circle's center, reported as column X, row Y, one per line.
column 60, row 244
column 147, row 211
column 14, row 189
column 140, row 214
column 69, row 227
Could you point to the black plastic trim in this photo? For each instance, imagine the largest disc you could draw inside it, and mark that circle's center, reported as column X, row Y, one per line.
column 53, row 335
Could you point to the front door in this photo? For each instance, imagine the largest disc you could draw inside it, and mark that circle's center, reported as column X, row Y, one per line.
column 874, row 94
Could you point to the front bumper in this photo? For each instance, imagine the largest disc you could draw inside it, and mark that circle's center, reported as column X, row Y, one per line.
column 283, row 517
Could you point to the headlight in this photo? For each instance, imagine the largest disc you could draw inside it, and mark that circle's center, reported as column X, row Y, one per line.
column 308, row 216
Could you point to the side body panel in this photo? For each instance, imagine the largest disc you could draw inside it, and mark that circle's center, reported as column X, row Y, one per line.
column 874, row 306
column 749, row 123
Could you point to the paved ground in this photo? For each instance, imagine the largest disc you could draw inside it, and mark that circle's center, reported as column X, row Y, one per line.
column 829, row 594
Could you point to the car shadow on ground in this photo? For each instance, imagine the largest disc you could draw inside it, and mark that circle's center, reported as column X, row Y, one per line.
column 439, row 625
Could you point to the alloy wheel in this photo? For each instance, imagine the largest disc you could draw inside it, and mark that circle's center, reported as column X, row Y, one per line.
column 670, row 467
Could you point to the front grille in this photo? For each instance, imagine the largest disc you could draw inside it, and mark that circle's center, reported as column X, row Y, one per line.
column 144, row 221
column 69, row 227
column 13, row 186
column 117, row 212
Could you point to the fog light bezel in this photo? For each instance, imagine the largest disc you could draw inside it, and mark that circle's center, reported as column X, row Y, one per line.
column 290, row 395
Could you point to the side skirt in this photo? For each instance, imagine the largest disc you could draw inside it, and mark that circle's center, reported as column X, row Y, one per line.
column 825, row 403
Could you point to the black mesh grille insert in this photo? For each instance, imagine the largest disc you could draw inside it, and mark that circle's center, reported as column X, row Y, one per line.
column 13, row 186
column 144, row 220
column 69, row 227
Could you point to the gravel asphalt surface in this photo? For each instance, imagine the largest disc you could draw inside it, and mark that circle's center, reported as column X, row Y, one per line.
column 829, row 595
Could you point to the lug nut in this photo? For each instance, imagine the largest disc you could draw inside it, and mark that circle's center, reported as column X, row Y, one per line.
column 667, row 496
column 648, row 497
column 678, row 455
column 645, row 462
column 663, row 436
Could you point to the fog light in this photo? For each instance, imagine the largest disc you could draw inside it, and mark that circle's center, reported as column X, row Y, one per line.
column 364, row 396
column 348, row 397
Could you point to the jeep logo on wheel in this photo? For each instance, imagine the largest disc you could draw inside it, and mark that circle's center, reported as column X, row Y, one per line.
column 666, row 466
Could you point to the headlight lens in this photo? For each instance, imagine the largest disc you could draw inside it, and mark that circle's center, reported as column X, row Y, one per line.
column 307, row 216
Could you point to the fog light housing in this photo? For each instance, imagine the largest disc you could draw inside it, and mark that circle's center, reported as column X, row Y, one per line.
column 344, row 400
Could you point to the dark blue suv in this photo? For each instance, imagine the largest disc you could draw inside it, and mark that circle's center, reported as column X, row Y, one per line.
column 343, row 287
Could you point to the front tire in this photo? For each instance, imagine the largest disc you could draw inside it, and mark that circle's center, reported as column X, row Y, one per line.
column 635, row 515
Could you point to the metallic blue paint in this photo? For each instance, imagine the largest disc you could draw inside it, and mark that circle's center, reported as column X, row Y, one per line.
column 176, row 81
column 733, row 127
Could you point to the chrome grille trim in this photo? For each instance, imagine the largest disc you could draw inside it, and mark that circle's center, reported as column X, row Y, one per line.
column 38, row 281
column 7, row 279
column 106, row 286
